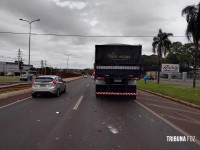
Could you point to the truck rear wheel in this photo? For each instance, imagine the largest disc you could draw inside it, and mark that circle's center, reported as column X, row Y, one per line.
column 133, row 97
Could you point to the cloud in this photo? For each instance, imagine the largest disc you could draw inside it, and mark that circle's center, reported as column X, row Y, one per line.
column 86, row 17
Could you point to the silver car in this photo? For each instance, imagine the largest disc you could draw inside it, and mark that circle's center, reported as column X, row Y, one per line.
column 48, row 84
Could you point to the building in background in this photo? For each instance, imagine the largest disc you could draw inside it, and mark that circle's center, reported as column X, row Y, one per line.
column 13, row 68
column 171, row 71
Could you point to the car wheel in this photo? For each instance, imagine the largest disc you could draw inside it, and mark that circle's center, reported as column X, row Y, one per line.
column 58, row 93
column 34, row 95
column 65, row 90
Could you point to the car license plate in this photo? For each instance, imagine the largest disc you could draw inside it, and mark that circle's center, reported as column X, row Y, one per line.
column 118, row 80
column 42, row 85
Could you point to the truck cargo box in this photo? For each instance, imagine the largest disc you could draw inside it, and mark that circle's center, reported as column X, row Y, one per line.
column 117, row 67
column 118, row 60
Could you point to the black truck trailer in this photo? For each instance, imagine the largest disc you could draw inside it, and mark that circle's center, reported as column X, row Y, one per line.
column 117, row 67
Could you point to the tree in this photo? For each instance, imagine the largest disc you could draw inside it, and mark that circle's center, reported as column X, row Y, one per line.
column 181, row 54
column 161, row 45
column 186, row 56
column 148, row 63
column 173, row 57
column 192, row 13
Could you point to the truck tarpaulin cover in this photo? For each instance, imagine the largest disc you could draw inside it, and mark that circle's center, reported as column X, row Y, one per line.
column 118, row 55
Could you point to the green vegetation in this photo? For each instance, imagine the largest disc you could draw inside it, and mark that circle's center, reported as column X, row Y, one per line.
column 6, row 91
column 161, row 45
column 182, row 92
column 192, row 13
column 8, row 78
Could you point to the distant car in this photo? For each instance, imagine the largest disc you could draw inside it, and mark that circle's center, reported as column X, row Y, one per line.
column 9, row 74
column 48, row 84
column 24, row 77
column 151, row 78
column 85, row 76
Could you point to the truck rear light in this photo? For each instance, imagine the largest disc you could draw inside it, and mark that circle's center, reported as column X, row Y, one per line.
column 103, row 78
column 132, row 78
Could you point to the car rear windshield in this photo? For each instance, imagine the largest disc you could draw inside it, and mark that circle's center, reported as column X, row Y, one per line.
column 44, row 79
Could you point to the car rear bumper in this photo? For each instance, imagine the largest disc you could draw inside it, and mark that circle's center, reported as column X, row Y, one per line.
column 54, row 91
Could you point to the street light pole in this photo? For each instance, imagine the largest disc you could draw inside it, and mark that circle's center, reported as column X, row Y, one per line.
column 29, row 45
column 68, row 59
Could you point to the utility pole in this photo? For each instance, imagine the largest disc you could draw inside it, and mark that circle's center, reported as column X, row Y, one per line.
column 19, row 61
column 68, row 60
column 42, row 66
column 45, row 63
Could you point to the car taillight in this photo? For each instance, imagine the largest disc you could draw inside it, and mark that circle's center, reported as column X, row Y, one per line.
column 54, row 82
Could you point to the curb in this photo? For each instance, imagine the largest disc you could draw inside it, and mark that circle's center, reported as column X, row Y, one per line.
column 173, row 99
column 15, row 93
column 20, row 92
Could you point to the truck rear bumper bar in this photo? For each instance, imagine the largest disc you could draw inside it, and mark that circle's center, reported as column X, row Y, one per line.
column 116, row 93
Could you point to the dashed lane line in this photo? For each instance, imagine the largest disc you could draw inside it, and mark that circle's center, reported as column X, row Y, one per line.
column 78, row 103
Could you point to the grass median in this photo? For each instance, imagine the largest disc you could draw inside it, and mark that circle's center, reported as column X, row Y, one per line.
column 182, row 92
column 8, row 78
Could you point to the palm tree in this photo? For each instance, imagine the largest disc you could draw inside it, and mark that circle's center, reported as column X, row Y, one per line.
column 161, row 44
column 192, row 13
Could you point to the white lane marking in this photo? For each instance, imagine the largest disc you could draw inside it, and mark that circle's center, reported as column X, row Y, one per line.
column 165, row 107
column 88, row 85
column 15, row 102
column 168, row 122
column 170, row 102
column 78, row 103
column 184, row 118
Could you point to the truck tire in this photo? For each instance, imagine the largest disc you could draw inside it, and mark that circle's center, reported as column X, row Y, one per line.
column 133, row 97
column 97, row 95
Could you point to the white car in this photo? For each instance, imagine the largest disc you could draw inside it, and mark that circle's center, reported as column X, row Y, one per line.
column 85, row 76
column 48, row 84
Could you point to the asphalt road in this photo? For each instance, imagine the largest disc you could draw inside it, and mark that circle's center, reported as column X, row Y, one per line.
column 78, row 121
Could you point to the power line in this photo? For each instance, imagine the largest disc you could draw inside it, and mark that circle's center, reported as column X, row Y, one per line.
column 84, row 36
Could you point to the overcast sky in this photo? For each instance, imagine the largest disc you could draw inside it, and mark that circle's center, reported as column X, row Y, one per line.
column 85, row 17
